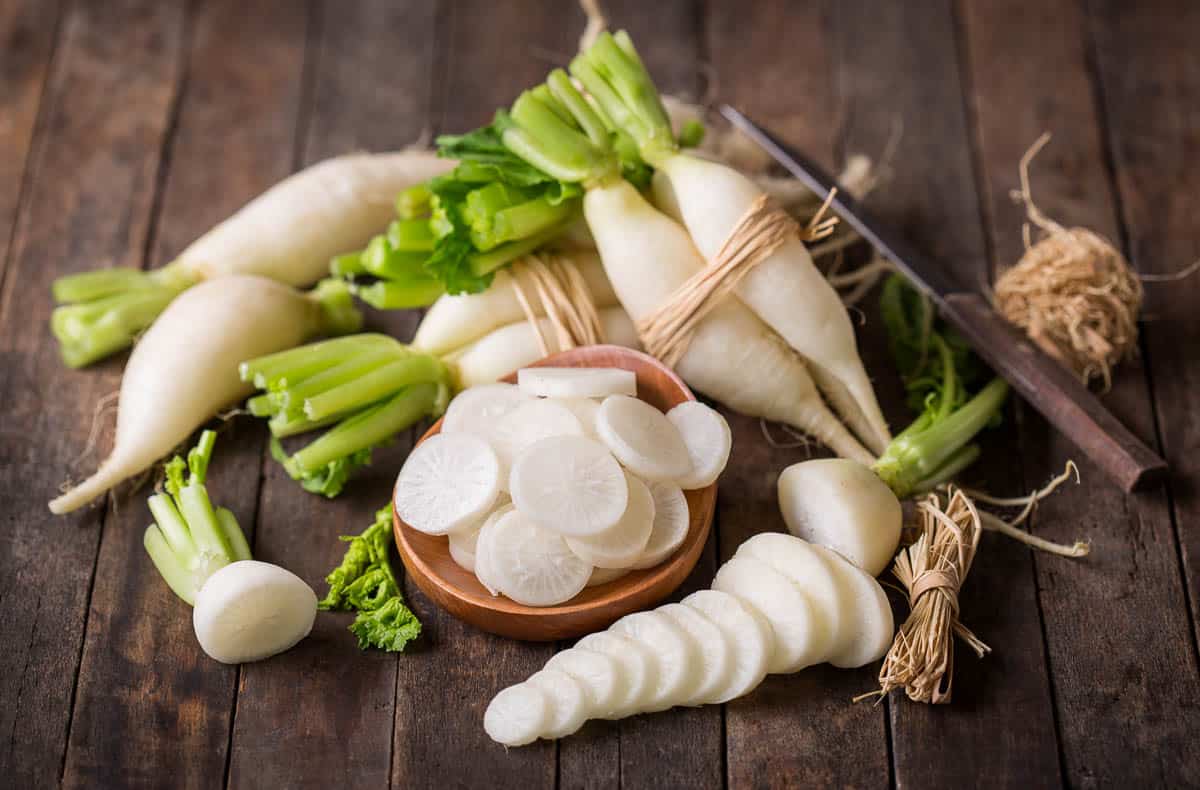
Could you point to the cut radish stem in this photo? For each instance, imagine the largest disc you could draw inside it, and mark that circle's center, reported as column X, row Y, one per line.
column 568, row 702
column 871, row 629
column 528, row 423
column 606, row 575
column 449, row 481
column 251, row 610
column 638, row 664
column 708, row 440
column 716, row 654
column 642, row 438
column 783, row 603
column 678, row 656
column 477, row 409
column 585, row 409
column 600, row 676
column 622, row 544
column 671, row 523
column 531, row 565
column 551, row 382
column 746, row 630
column 570, row 485
column 517, row 715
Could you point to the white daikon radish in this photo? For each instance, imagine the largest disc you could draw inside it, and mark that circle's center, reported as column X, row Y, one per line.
column 550, row 382
column 606, row 575
column 515, row 346
column 531, row 565
column 746, row 630
column 568, row 702
column 671, row 523
column 449, row 481
column 477, row 409
column 517, row 715
column 463, row 542
column 600, row 675
column 529, row 423
column 708, row 440
column 800, row 562
column 570, row 485
column 638, row 665
column 185, row 367
column 642, row 438
column 251, row 610
column 870, row 631
column 622, row 544
column 783, row 603
column 843, row 505
column 454, row 321
column 585, row 409
column 678, row 656
column 716, row 654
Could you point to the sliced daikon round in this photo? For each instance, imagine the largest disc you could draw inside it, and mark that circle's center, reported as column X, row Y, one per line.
column 678, row 656
column 585, row 409
column 622, row 544
column 746, row 630
column 783, row 603
column 449, row 481
column 528, row 423
column 671, row 523
column 708, row 440
column 531, row 565
column 606, row 575
column 476, row 409
column 462, row 543
column 576, row 382
column 251, row 610
column 484, row 571
column 642, row 438
column 870, row 630
column 568, row 702
column 517, row 715
column 716, row 654
column 800, row 562
column 570, row 485
column 600, row 675
column 638, row 665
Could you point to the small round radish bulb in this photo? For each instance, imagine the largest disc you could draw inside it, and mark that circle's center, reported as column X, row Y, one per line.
column 251, row 610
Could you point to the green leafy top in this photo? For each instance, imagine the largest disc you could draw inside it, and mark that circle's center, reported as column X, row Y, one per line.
column 197, row 463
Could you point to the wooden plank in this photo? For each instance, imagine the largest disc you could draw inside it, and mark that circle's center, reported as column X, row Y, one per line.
column 238, row 109
column 771, row 740
column 900, row 65
column 89, row 204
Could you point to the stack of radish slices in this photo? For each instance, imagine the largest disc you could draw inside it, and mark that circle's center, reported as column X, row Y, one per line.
column 561, row 481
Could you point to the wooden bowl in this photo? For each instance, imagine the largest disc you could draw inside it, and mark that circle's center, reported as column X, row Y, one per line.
column 427, row 557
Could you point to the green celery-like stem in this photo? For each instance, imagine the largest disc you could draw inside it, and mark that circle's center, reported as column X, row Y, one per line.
column 375, row 385
column 404, row 294
column 273, row 370
column 238, row 545
column 177, row 576
column 487, row 262
column 414, row 202
column 291, row 400
column 411, row 235
column 949, row 470
column 347, row 265
column 538, row 135
column 283, row 425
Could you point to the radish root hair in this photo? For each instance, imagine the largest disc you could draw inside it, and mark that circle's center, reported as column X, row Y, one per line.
column 1028, row 503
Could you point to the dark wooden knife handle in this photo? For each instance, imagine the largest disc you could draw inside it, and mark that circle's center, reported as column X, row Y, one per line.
column 1055, row 392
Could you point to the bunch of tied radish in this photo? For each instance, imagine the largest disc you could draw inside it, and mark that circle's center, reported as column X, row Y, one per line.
column 562, row 481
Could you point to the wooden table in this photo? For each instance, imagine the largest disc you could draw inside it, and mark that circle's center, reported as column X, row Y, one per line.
column 127, row 128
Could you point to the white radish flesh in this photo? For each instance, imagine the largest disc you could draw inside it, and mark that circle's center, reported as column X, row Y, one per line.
column 870, row 631
column 449, row 481
column 463, row 542
column 477, row 409
column 517, row 715
column 531, row 565
column 570, row 485
column 251, row 610
column 708, row 440
column 785, row 606
column 568, row 702
column 843, row 505
column 585, row 410
column 672, row 521
column 600, row 675
column 529, row 423
column 746, row 630
column 550, row 382
column 606, row 575
column 716, row 654
column 622, row 544
column 185, row 369
column 642, row 438
column 677, row 654
column 638, row 665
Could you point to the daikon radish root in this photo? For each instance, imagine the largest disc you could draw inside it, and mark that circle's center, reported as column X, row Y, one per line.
column 531, row 565
column 585, row 410
column 570, row 485
column 463, row 542
column 185, row 369
column 517, row 715
column 287, row 234
column 600, row 676
column 476, row 410
column 448, row 482
column 868, row 634
column 550, row 382
column 642, row 439
column 746, row 630
column 622, row 544
column 528, row 423
column 671, row 523
column 569, row 707
column 606, row 575
column 708, row 440
column 676, row 652
column 715, row 652
column 638, row 664
column 251, row 610
column 798, row 642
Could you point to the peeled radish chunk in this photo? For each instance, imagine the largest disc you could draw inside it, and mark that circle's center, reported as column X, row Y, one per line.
column 842, row 504
column 642, row 438
column 825, row 588
column 448, row 481
column 570, row 485
column 550, row 382
column 517, row 715
column 606, row 575
column 600, row 676
column 708, row 440
column 531, row 422
column 746, row 630
column 531, row 565
column 622, row 544
column 638, row 664
column 251, row 610
column 785, row 606
column 671, row 522
column 716, row 654
column 870, row 631
column 568, row 702
column 585, row 410
column 677, row 653
column 476, row 410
